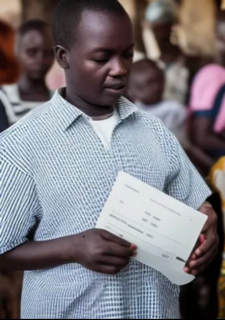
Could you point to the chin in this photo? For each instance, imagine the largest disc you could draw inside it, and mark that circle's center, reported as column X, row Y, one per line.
column 110, row 100
column 37, row 76
column 153, row 101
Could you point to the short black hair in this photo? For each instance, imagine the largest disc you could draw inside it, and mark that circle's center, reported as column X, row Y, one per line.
column 68, row 15
column 30, row 25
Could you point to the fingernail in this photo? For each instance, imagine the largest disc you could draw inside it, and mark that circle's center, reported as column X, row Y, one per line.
column 186, row 270
column 207, row 204
column 202, row 238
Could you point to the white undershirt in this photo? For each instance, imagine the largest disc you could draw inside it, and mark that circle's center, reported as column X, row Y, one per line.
column 104, row 128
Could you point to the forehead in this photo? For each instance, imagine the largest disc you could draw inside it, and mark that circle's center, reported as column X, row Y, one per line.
column 36, row 38
column 104, row 30
column 146, row 75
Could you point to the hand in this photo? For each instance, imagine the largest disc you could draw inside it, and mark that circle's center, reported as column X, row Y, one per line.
column 208, row 244
column 101, row 251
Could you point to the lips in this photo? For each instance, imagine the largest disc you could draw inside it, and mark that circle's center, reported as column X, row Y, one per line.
column 116, row 86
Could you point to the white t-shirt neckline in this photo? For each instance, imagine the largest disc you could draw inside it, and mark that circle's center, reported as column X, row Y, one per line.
column 104, row 128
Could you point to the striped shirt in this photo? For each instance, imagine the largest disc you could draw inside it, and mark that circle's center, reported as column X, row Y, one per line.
column 15, row 108
column 56, row 176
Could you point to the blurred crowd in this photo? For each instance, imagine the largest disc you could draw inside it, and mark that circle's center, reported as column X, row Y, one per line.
column 187, row 94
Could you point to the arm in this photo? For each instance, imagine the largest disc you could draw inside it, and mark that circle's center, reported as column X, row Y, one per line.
column 203, row 135
column 37, row 255
column 97, row 250
column 200, row 159
column 208, row 243
column 188, row 187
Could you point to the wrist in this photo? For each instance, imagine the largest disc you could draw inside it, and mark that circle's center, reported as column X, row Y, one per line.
column 69, row 249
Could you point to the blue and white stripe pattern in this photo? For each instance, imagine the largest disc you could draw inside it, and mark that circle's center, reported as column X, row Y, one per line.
column 56, row 176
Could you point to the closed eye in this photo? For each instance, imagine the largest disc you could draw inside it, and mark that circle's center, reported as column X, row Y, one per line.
column 101, row 60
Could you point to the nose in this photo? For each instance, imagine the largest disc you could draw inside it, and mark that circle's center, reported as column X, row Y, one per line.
column 42, row 59
column 118, row 68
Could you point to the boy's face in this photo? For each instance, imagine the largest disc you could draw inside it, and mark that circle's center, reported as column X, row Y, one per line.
column 147, row 87
column 100, row 60
column 35, row 53
column 162, row 32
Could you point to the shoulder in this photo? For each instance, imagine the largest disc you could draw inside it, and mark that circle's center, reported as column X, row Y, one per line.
column 206, row 86
column 211, row 69
column 147, row 122
column 209, row 75
column 157, row 134
column 11, row 91
column 175, row 107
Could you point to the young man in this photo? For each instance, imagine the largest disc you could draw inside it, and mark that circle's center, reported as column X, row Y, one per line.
column 58, row 166
column 36, row 56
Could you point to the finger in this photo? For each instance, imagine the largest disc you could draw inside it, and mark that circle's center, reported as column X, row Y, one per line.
column 105, row 269
column 116, row 250
column 203, row 261
column 197, row 272
column 134, row 247
column 201, row 240
column 114, row 261
column 207, row 246
column 211, row 240
column 207, row 209
column 112, row 238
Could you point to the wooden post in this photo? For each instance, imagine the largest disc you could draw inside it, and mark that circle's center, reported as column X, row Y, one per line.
column 136, row 10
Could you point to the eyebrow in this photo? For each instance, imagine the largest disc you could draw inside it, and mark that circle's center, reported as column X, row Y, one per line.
column 110, row 50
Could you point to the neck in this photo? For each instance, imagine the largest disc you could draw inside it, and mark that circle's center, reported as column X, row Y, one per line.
column 93, row 111
column 26, row 84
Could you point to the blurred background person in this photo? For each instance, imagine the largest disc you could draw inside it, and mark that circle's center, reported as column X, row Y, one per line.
column 9, row 68
column 23, row 87
column 207, row 103
column 160, row 17
column 146, row 90
column 9, row 73
column 35, row 54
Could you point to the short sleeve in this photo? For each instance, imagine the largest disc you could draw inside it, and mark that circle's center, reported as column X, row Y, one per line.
column 205, row 87
column 185, row 183
column 18, row 206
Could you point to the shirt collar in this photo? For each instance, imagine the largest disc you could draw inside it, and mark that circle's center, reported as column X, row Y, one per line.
column 66, row 114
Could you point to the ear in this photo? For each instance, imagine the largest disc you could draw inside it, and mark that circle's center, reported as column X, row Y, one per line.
column 62, row 57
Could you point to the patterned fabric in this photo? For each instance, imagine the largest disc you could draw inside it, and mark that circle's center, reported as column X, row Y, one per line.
column 56, row 176
column 16, row 108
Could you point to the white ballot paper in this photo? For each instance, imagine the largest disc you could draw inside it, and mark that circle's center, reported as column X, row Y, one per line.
column 164, row 229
